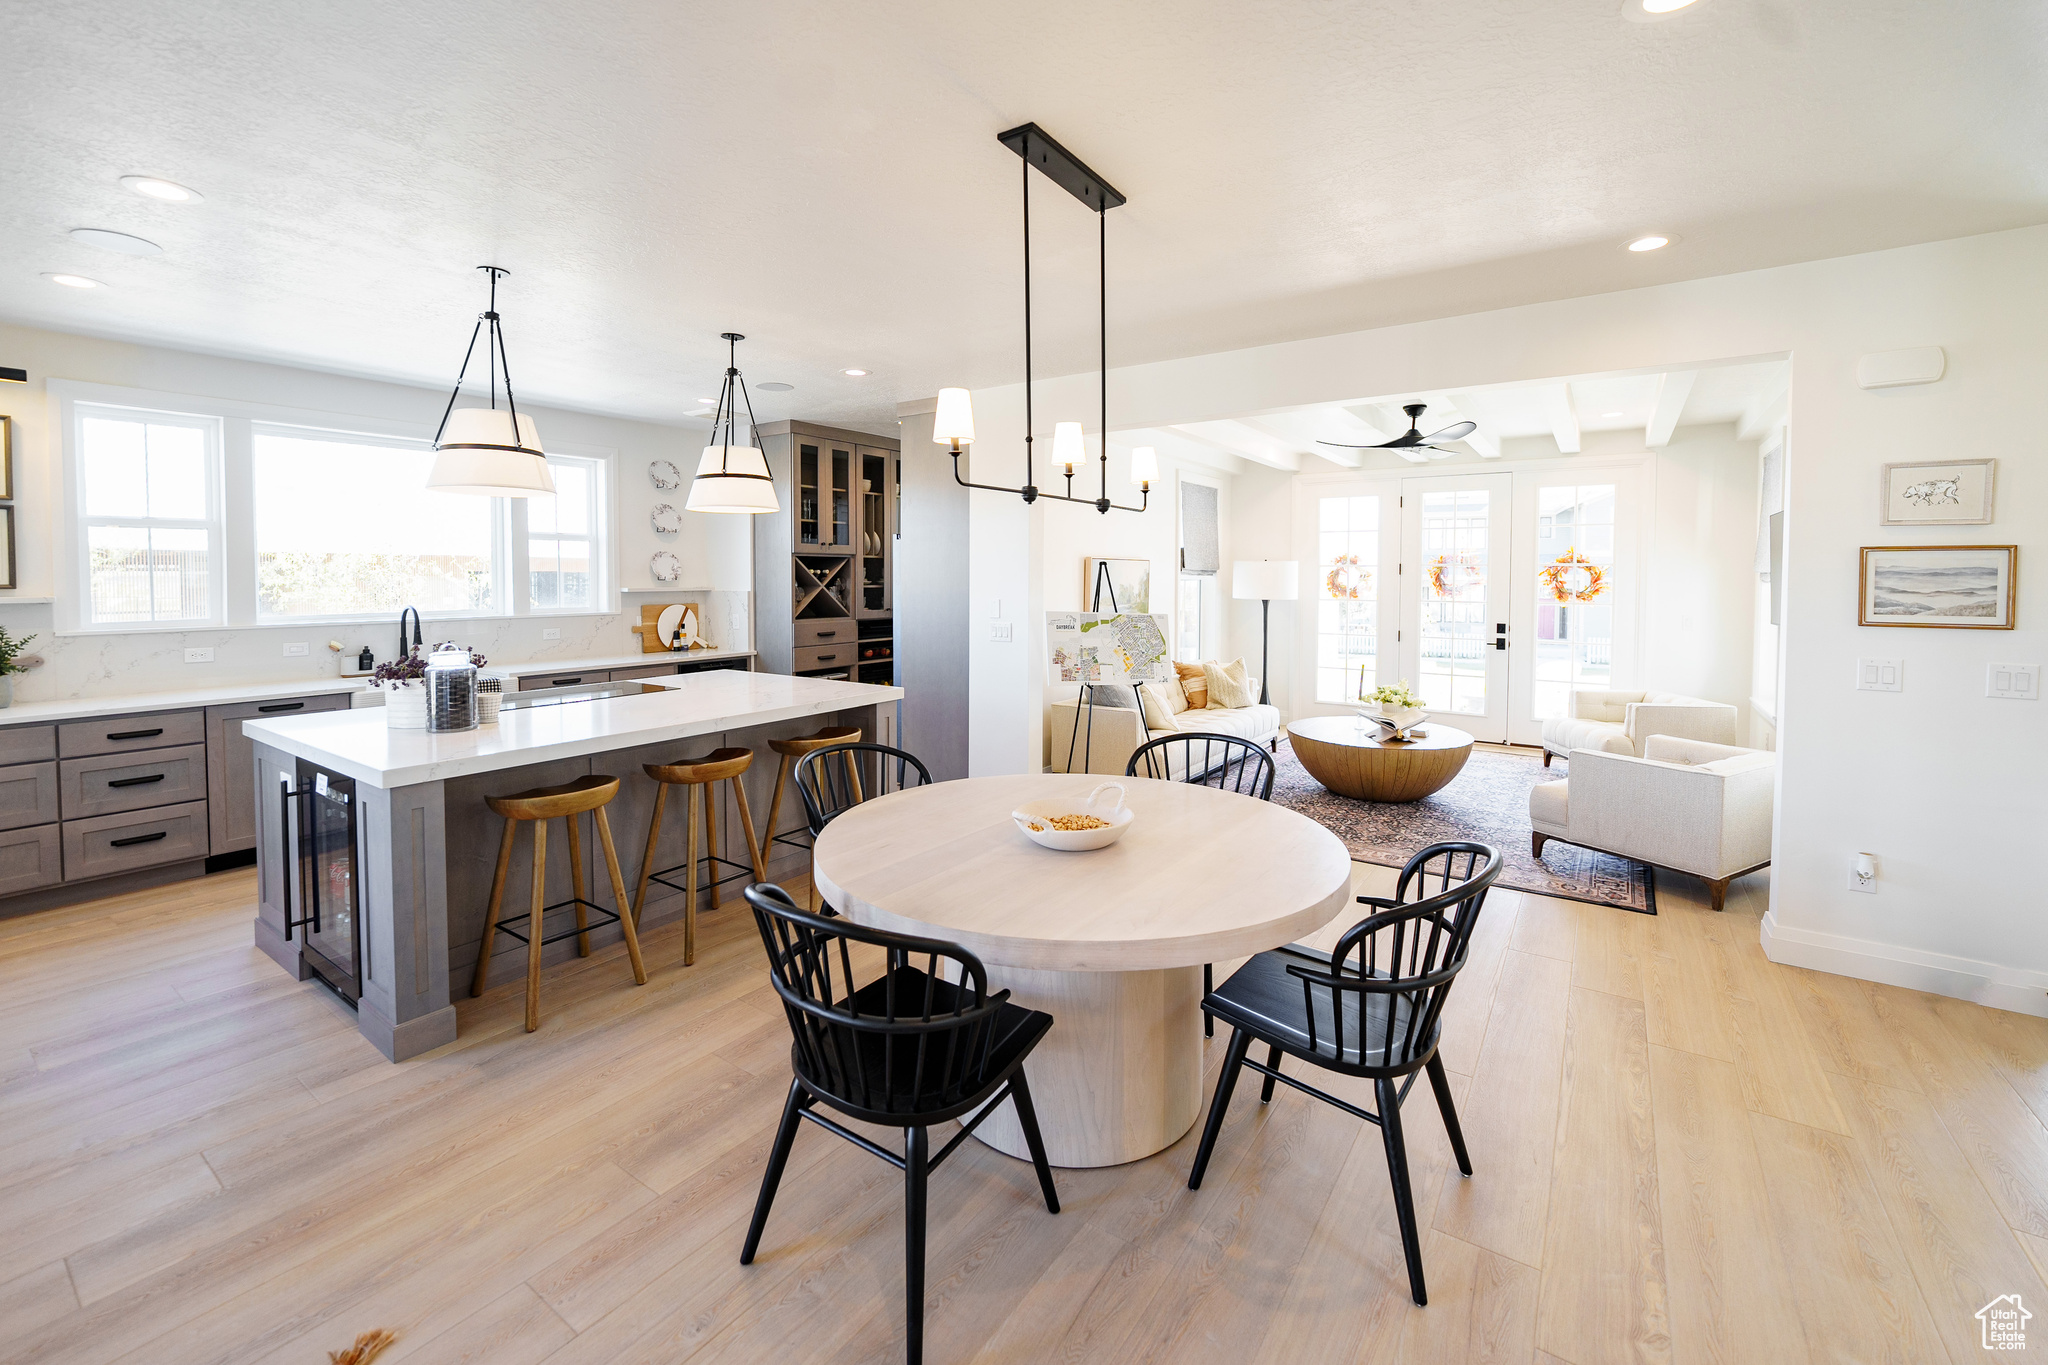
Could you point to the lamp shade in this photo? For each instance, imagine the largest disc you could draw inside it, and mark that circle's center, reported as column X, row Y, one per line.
column 1144, row 465
column 954, row 420
column 1274, row 580
column 1067, row 446
column 732, row 479
column 479, row 454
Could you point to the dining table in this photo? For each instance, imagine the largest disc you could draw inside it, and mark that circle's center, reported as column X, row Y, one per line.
column 1109, row 942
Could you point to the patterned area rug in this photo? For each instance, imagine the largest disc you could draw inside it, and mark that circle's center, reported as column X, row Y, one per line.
column 1487, row 802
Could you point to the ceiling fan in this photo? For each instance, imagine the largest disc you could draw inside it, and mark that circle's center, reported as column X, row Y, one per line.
column 1413, row 439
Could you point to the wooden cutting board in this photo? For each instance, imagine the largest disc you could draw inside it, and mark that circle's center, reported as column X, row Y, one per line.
column 649, row 628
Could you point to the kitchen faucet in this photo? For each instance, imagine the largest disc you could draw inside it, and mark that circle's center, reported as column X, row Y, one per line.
column 413, row 612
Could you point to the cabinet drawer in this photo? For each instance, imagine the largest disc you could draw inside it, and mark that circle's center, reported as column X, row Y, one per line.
column 28, row 795
column 231, row 763
column 122, row 734
column 826, row 632
column 121, row 843
column 824, row 656
column 570, row 677
column 650, row 671
column 28, row 859
column 28, row 743
column 107, row 783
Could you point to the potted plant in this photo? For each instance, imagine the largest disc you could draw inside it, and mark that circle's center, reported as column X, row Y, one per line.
column 1394, row 707
column 403, row 683
column 10, row 649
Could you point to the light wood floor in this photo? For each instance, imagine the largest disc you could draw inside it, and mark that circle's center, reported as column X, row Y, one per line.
column 1682, row 1153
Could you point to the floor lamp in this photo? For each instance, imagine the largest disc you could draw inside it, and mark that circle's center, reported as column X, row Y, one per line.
column 1265, row 580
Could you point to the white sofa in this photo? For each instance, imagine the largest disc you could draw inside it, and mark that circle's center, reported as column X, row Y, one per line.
column 1118, row 732
column 1619, row 722
column 1685, row 804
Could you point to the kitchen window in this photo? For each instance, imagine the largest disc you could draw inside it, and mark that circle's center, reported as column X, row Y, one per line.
column 185, row 513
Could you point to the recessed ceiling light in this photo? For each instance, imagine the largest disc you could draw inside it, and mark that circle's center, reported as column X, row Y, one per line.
column 115, row 241
column 854, row 374
column 1605, row 415
column 1650, row 11
column 772, row 387
column 70, row 281
column 1649, row 243
column 1664, row 6
column 149, row 187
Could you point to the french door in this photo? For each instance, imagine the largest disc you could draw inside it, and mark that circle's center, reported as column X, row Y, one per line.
column 1454, row 577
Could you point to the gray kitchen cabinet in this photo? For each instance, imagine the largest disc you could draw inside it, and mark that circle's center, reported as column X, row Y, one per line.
column 568, row 677
column 107, row 783
column 29, row 859
column 28, row 795
column 231, row 765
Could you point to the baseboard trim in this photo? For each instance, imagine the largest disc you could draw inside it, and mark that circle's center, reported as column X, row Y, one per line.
column 1985, row 983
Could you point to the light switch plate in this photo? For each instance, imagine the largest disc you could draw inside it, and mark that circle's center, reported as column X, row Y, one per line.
column 1880, row 675
column 1000, row 632
column 551, row 633
column 2016, row 682
column 199, row 656
column 295, row 650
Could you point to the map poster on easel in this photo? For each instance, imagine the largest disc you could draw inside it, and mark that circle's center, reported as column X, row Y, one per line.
column 1106, row 647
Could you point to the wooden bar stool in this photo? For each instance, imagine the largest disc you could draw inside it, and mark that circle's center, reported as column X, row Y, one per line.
column 700, row 775
column 792, row 750
column 541, row 805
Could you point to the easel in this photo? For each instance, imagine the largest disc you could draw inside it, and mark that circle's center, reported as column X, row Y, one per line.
column 1101, row 585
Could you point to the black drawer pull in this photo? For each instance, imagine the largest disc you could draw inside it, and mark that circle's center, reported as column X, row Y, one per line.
column 564, row 682
column 827, row 634
column 828, row 658
column 136, row 781
column 282, row 706
column 137, row 734
column 140, row 839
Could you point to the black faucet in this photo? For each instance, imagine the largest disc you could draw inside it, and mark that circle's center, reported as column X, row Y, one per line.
column 414, row 613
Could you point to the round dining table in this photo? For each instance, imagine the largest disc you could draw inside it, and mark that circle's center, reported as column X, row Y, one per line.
column 1111, row 942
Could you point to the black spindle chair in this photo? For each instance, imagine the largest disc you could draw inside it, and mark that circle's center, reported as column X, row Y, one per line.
column 906, row 1050
column 833, row 780
column 1372, row 1007
column 1224, row 762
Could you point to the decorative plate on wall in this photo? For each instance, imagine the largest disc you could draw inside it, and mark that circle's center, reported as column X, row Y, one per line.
column 666, row 519
column 665, row 567
column 665, row 474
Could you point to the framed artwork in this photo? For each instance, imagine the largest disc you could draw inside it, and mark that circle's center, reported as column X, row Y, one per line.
column 1116, row 585
column 1936, row 493
column 7, row 534
column 7, row 468
column 1967, row 587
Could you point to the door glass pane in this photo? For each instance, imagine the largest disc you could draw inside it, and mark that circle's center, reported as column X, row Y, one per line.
column 1455, row 631
column 1574, row 593
column 1347, row 597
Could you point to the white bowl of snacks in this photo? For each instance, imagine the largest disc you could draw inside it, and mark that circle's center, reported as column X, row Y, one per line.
column 1072, row 826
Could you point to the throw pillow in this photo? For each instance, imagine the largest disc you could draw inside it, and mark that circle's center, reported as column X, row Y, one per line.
column 1196, row 685
column 1229, row 687
column 1175, row 693
column 1115, row 694
column 1158, row 706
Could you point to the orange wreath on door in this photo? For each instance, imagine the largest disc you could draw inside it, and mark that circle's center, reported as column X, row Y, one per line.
column 1559, row 573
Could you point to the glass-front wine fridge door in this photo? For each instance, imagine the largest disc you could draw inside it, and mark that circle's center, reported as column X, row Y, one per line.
column 329, row 859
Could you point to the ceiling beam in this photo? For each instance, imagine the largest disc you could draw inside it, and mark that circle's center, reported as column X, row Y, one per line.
column 1245, row 442
column 1672, row 391
column 1564, row 416
column 1484, row 442
column 1306, row 429
column 1763, row 414
column 1171, row 445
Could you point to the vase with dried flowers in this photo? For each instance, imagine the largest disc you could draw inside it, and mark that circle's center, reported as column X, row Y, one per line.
column 403, row 681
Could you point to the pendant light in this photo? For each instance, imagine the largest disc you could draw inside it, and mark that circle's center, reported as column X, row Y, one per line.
column 732, row 478
column 492, row 452
column 954, row 421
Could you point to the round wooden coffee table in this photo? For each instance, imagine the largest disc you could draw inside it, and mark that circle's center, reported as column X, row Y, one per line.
column 1347, row 755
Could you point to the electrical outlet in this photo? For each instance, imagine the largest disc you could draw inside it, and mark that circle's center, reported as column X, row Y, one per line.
column 296, row 650
column 1000, row 632
column 2016, row 682
column 198, row 656
column 1880, row 675
column 1863, row 874
column 551, row 633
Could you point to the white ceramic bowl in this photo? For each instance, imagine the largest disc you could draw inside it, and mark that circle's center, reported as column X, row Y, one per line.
column 1031, row 820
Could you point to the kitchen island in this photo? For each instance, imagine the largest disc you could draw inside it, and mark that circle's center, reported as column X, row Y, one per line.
column 388, row 832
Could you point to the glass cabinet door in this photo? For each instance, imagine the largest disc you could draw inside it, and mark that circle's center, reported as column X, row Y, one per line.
column 807, row 462
column 840, row 529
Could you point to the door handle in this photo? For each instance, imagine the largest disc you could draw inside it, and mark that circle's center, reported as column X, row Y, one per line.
column 1501, row 642
column 136, row 781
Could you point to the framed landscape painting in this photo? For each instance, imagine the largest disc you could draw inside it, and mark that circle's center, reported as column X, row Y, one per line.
column 1966, row 587
column 1111, row 585
column 1937, row 493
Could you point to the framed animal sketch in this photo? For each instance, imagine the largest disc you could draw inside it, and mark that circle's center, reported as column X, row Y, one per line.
column 1967, row 587
column 1936, row 493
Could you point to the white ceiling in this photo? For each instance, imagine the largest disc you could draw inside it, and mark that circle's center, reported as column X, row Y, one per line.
column 825, row 177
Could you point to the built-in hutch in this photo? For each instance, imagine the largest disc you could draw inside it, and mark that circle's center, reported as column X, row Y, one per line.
column 824, row 564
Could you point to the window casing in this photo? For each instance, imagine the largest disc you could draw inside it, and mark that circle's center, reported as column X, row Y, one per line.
column 185, row 513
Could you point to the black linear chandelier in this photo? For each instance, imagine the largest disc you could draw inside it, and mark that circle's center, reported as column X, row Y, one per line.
column 955, row 420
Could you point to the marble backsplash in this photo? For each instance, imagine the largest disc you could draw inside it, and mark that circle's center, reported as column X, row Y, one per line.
column 102, row 665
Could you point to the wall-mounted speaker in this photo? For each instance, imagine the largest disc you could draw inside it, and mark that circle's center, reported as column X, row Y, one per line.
column 1892, row 369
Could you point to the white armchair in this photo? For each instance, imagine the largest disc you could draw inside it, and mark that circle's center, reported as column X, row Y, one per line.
column 1619, row 722
column 1685, row 804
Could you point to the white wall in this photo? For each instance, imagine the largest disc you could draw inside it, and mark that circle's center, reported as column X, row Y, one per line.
column 1944, row 812
column 715, row 550
column 1699, row 610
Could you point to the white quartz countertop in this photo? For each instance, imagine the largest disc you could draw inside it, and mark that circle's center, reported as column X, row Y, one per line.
column 76, row 708
column 359, row 744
